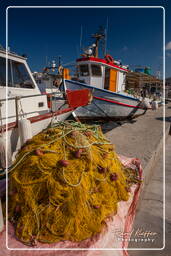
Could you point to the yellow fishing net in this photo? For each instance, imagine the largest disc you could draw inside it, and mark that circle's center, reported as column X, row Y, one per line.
column 64, row 183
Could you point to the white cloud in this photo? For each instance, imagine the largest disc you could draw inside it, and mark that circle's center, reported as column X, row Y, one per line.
column 168, row 46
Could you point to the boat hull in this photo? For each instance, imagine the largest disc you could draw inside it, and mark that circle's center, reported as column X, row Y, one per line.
column 105, row 104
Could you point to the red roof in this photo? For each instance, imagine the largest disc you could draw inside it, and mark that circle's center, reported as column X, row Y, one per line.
column 101, row 61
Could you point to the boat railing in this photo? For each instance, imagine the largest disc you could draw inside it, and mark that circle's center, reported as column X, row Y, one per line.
column 33, row 95
column 18, row 98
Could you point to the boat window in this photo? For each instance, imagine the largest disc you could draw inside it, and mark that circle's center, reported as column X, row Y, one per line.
column 3, row 72
column 84, row 71
column 96, row 70
column 18, row 75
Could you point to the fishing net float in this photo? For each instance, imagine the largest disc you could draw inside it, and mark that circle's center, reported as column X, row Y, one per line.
column 66, row 181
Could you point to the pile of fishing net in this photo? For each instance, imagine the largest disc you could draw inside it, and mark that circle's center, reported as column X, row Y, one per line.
column 66, row 181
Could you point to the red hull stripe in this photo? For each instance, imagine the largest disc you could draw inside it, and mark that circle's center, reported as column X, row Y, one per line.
column 102, row 61
column 116, row 102
column 38, row 118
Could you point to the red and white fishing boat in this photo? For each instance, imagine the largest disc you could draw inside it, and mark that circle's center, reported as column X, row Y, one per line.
column 105, row 78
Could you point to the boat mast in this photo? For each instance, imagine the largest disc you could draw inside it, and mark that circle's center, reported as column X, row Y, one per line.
column 81, row 36
column 105, row 38
column 97, row 36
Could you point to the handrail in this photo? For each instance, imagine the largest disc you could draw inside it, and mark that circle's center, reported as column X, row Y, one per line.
column 29, row 96
column 17, row 98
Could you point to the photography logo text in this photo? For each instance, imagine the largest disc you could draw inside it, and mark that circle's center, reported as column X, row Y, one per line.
column 136, row 235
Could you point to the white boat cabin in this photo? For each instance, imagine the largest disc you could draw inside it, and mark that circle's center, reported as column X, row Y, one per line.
column 24, row 111
column 102, row 73
column 19, row 85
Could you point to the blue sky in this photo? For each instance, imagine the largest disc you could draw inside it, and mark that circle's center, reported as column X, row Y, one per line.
column 134, row 35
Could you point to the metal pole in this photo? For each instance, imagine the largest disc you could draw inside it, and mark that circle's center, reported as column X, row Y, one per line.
column 106, row 31
column 81, row 36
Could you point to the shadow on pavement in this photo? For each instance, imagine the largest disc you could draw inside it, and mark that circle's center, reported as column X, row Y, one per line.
column 167, row 118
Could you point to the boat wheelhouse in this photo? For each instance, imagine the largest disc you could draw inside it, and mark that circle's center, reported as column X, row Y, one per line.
column 102, row 73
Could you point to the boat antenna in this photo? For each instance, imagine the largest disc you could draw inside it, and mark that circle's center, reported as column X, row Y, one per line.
column 99, row 36
column 81, row 36
column 106, row 30
column 46, row 60
column 59, row 60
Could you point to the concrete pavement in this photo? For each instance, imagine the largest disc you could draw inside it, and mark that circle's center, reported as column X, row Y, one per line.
column 150, row 213
column 144, row 139
column 141, row 139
